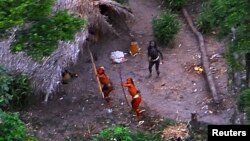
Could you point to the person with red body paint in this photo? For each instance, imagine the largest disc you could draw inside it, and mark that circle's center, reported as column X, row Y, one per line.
column 107, row 86
column 136, row 96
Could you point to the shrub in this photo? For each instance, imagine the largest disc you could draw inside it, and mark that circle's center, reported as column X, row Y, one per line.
column 114, row 133
column 14, row 89
column 12, row 128
column 21, row 90
column 234, row 65
column 206, row 20
column 221, row 16
column 242, row 42
column 244, row 100
column 165, row 27
column 244, row 103
column 123, row 134
column 5, row 81
column 176, row 4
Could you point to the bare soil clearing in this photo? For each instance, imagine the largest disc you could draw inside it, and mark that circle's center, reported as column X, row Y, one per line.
column 79, row 110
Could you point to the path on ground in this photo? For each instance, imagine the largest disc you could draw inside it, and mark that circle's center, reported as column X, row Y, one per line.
column 178, row 92
column 79, row 110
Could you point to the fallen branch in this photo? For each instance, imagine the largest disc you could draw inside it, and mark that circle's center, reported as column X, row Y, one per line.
column 204, row 57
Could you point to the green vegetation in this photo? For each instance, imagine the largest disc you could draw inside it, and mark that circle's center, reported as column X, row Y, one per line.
column 20, row 89
column 41, row 38
column 122, row 1
column 116, row 132
column 14, row 89
column 176, row 4
column 229, row 18
column 12, row 128
column 199, row 133
column 124, row 134
column 244, row 102
column 222, row 16
column 5, row 81
column 120, row 133
column 17, row 13
column 38, row 29
column 165, row 27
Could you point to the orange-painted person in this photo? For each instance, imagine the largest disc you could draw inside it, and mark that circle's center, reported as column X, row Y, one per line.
column 107, row 86
column 136, row 97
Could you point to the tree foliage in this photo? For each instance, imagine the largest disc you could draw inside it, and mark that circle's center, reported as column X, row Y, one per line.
column 17, row 13
column 221, row 15
column 39, row 30
column 231, row 19
column 165, row 26
column 228, row 18
column 42, row 37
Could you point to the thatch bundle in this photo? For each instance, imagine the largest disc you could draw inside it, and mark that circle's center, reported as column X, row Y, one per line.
column 90, row 9
column 46, row 76
column 178, row 132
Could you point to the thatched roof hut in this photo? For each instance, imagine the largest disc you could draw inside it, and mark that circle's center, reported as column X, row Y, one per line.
column 46, row 76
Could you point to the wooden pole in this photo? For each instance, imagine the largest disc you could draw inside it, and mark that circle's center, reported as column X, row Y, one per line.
column 120, row 74
column 95, row 71
column 204, row 57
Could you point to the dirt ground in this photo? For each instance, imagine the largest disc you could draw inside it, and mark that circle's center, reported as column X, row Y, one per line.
column 79, row 111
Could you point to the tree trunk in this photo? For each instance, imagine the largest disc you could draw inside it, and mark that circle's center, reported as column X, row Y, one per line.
column 194, row 120
column 204, row 58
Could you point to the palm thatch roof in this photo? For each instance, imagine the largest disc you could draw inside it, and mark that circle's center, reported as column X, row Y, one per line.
column 46, row 76
column 91, row 11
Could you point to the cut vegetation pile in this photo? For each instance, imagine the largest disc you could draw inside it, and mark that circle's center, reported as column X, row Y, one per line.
column 175, row 132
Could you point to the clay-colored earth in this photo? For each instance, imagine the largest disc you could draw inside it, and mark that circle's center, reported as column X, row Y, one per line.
column 79, row 110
